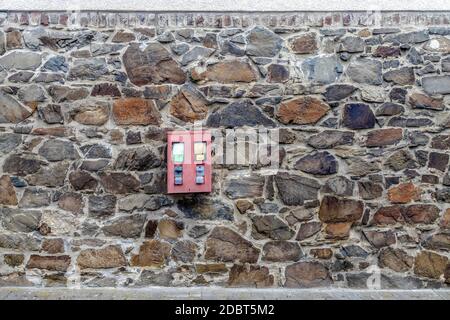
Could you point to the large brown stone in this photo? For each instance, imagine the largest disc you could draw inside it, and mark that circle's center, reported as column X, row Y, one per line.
column 104, row 258
column 429, row 264
column 95, row 115
column 395, row 259
column 384, row 137
column 423, row 101
column 189, row 105
column 333, row 209
column 307, row 275
column 152, row 253
column 170, row 229
column 380, row 239
column 280, row 251
column 119, row 182
column 11, row 111
column 225, row 72
column 7, row 193
column 250, row 276
column 404, row 193
column 304, row 43
column 53, row 263
column 421, row 213
column 338, row 231
column 270, row 226
column 136, row 111
column 389, row 215
column 226, row 245
column 302, row 110
column 152, row 65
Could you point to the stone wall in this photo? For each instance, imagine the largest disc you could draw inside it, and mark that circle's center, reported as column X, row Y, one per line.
column 361, row 102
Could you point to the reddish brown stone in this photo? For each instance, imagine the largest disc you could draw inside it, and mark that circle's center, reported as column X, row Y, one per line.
column 380, row 239
column 104, row 258
column 189, row 105
column 333, row 210
column 122, row 36
column 72, row 202
column 119, row 182
column 445, row 221
column 226, row 72
column 153, row 253
column 423, row 101
column 404, row 193
column 307, row 275
column 305, row 43
column 302, row 110
column 338, row 231
column 14, row 39
column 389, row 215
column 383, row 137
column 277, row 73
column 250, row 276
column 170, row 229
column 386, row 51
column 95, row 115
column 279, row 251
column 7, row 193
column 308, row 229
column 53, row 246
column 136, row 111
column 105, row 89
column 429, row 264
column 226, row 245
column 322, row 253
column 421, row 213
column 53, row 263
column 244, row 205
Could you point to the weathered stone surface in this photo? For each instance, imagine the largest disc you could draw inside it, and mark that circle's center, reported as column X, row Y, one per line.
column 262, row 42
column 151, row 65
column 364, row 70
column 421, row 213
column 339, row 186
column 136, row 111
column 21, row 60
column 384, row 137
column 380, row 239
column 125, row 227
column 422, row 101
column 199, row 207
column 88, row 69
column 184, row 251
column 307, row 275
column 34, row 198
column 403, row 76
column 404, row 193
column 328, row 139
column 322, row 69
column 439, row 44
column 436, row 85
column 142, row 201
column 333, row 209
column 9, row 142
column 170, row 229
column 429, row 264
column 386, row 51
column 52, row 263
column 105, row 89
column 18, row 220
column 338, row 231
column 82, row 180
column 336, row 92
column 438, row 241
column 244, row 187
column 119, row 182
column 318, row 163
column 153, row 253
column 303, row 110
column 225, row 72
column 189, row 104
column 358, row 116
column 53, row 245
column 105, row 258
column 304, row 43
column 281, row 251
column 389, row 215
column 58, row 150
column 11, row 111
column 369, row 190
column 400, row 160
column 438, row 161
column 395, row 259
column 20, row 241
column 7, row 193
column 308, row 229
column 102, row 205
column 277, row 73
column 96, row 115
column 226, row 245
column 237, row 114
column 269, row 226
column 249, row 276
column 389, row 109
column 294, row 189
column 138, row 159
column 13, row 260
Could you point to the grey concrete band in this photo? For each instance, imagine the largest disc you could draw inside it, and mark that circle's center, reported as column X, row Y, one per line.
column 227, row 5
column 218, row 294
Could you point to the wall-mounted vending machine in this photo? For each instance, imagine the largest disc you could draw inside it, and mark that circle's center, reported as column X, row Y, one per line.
column 189, row 161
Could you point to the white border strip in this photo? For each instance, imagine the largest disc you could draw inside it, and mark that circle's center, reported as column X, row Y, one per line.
column 225, row 5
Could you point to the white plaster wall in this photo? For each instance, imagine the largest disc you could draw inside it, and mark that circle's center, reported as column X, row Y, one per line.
column 226, row 5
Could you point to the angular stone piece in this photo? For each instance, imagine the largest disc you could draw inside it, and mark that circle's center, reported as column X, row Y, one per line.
column 226, row 245
column 137, row 159
column 380, row 239
column 404, row 193
column 105, row 258
column 322, row 69
column 153, row 253
column 294, row 189
column 237, row 114
column 340, row 186
column 18, row 220
column 269, row 226
column 364, row 70
column 102, row 205
column 152, row 65
column 304, row 43
column 429, row 264
column 262, row 42
column 384, row 137
column 7, row 193
column 389, row 215
column 329, row 139
column 307, row 275
column 436, row 85
column 249, row 276
column 58, row 150
column 52, row 263
column 125, row 227
column 402, row 76
column 11, row 111
column 421, row 213
column 308, row 229
column 136, row 111
column 231, row 71
column 358, row 116
column 244, row 187
column 395, row 259
column 318, row 163
column 440, row 44
column 21, row 60
column 422, row 101
column 202, row 207
column 333, row 210
column 336, row 92
column 281, row 251
column 189, row 104
column 302, row 110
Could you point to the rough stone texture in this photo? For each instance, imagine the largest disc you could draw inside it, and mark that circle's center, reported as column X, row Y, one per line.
column 360, row 105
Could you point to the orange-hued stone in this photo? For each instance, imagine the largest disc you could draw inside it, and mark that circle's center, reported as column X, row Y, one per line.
column 225, row 72
column 303, row 110
column 404, row 193
column 136, row 111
